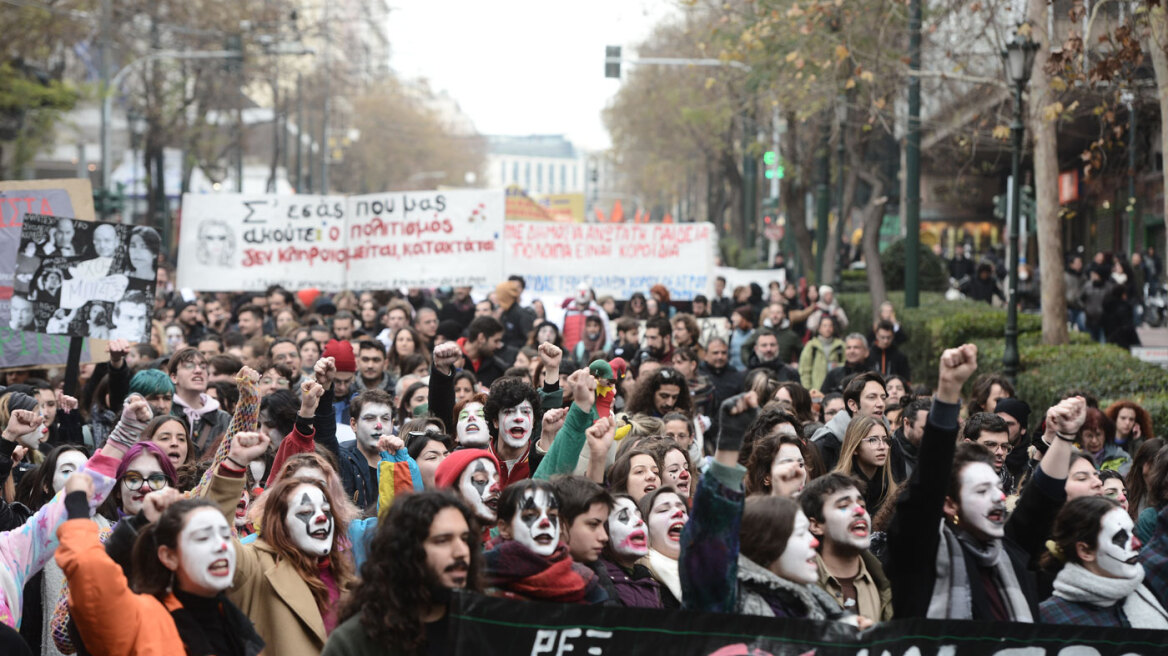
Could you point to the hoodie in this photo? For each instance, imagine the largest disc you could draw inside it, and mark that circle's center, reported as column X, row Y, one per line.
column 208, row 423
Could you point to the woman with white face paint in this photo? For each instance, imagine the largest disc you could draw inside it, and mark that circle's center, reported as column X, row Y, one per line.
column 184, row 561
column 765, row 539
column 290, row 580
column 529, row 561
column 1101, row 582
column 666, row 514
column 628, row 543
column 471, row 428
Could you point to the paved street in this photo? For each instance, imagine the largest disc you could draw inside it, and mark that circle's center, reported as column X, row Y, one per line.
column 1153, row 336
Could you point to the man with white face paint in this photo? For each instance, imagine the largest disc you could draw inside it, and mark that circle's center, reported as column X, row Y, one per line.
column 982, row 556
column 529, row 561
column 839, row 518
column 371, row 417
column 1102, row 582
column 513, row 410
column 473, row 474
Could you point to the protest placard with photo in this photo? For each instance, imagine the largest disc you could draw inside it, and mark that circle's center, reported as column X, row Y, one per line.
column 89, row 278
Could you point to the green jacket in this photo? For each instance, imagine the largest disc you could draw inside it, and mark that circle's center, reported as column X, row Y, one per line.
column 813, row 362
column 564, row 452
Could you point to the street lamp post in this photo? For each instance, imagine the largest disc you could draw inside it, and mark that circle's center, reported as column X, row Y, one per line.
column 841, row 119
column 1019, row 59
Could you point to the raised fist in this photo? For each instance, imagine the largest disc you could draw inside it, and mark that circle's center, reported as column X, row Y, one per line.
column 445, row 355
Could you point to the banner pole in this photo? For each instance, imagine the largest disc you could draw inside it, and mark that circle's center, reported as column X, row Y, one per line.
column 73, row 365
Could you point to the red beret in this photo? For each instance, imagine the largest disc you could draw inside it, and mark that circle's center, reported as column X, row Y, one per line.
column 342, row 352
column 451, row 468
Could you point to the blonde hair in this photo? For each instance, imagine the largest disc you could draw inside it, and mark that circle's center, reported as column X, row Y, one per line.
column 857, row 431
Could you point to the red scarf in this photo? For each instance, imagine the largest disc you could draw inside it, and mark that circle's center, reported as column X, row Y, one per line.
column 519, row 572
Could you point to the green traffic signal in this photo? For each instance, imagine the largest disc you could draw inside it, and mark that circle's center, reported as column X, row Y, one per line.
column 770, row 157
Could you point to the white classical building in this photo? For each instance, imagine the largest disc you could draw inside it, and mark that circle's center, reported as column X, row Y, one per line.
column 539, row 164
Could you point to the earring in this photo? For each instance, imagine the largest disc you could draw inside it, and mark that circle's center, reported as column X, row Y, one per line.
column 767, row 481
column 956, row 520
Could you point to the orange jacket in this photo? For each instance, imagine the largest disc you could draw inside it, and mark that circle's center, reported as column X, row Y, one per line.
column 112, row 619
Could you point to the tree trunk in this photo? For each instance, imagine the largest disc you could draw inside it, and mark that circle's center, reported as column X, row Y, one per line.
column 873, row 218
column 793, row 192
column 1159, row 52
column 1046, row 172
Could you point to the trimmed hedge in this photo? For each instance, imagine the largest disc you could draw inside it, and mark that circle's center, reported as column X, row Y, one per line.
column 936, row 325
column 932, row 271
column 1047, row 372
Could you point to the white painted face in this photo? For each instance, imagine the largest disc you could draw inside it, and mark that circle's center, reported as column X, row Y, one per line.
column 206, row 553
column 536, row 524
column 582, row 295
column 310, row 521
column 798, row 560
column 375, row 420
column 627, row 530
column 846, row 519
column 667, row 520
column 516, row 424
column 472, row 426
column 1116, row 551
column 983, row 504
column 479, row 486
column 67, row 463
column 241, row 510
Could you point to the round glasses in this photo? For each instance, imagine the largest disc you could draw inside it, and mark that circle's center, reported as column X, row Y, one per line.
column 155, row 481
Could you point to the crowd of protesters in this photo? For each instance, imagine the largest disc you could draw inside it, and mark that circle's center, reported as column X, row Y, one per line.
column 300, row 473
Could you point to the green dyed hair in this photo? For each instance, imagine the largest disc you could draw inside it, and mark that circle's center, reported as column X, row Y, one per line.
column 151, row 381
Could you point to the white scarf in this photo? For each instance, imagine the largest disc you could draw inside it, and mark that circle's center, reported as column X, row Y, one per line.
column 665, row 570
column 1074, row 583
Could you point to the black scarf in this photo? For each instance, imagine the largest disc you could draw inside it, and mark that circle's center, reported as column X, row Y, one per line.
column 213, row 626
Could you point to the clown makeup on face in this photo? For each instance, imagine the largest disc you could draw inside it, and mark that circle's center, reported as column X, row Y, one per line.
column 536, row 524
column 472, row 426
column 67, row 463
column 515, row 424
column 310, row 521
column 143, row 476
column 241, row 510
column 797, row 563
column 667, row 520
column 375, row 420
column 677, row 471
column 846, row 522
column 479, row 486
column 788, row 472
column 627, row 530
column 1114, row 489
column 983, row 504
column 206, row 553
column 1116, row 552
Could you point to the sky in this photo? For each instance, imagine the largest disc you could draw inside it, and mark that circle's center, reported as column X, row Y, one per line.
column 520, row 67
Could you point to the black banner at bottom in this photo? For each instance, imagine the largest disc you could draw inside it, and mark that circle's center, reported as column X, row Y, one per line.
column 483, row 625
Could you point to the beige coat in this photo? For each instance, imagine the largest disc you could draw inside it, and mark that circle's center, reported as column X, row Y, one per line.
column 270, row 591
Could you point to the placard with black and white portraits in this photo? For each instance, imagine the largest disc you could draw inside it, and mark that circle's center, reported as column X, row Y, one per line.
column 85, row 278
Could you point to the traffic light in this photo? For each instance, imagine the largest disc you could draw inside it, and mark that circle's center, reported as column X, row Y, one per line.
column 1000, row 208
column 1028, row 205
column 612, row 62
column 774, row 165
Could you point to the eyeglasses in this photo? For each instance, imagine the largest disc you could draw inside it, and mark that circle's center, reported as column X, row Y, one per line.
column 875, row 441
column 155, row 481
column 994, row 446
column 678, row 436
column 191, row 365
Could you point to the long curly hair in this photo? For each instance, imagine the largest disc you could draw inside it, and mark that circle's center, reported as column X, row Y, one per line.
column 344, row 510
column 1143, row 419
column 275, row 533
column 643, row 395
column 396, row 584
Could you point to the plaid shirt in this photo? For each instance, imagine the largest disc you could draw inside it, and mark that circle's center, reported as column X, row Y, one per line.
column 1154, row 557
column 1060, row 611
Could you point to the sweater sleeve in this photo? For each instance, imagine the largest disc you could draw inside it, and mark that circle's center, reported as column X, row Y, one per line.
column 710, row 542
column 397, row 473
column 100, row 600
column 442, row 396
column 119, row 386
column 294, row 443
column 1032, row 521
column 914, row 535
column 245, row 419
column 325, row 423
column 565, row 450
column 1154, row 557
